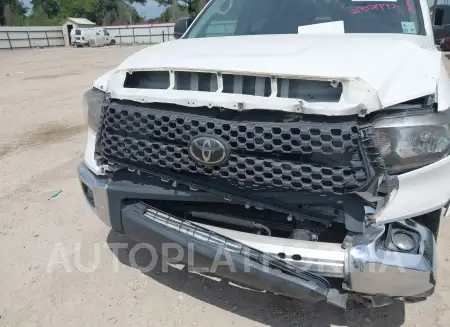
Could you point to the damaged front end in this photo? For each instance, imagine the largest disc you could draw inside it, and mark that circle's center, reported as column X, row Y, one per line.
column 294, row 192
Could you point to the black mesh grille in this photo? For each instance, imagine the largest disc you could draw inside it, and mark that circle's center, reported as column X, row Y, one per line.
column 264, row 156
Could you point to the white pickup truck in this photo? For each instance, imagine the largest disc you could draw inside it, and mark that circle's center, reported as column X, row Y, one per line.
column 303, row 144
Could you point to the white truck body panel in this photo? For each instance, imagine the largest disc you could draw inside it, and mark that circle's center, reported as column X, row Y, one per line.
column 377, row 71
column 353, row 60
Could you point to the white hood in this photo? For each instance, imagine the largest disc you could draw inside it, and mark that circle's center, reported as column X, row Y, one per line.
column 376, row 71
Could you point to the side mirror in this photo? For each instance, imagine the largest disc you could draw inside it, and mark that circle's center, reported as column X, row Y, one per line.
column 181, row 26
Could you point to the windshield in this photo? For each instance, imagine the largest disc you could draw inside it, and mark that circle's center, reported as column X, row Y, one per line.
column 77, row 32
column 253, row 17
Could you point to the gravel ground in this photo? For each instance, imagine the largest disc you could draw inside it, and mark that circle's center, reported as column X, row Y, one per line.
column 42, row 139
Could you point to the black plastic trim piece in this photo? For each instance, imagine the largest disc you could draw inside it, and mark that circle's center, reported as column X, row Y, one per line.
column 252, row 267
column 237, row 195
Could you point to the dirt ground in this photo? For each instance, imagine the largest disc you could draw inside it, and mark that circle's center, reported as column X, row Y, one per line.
column 56, row 268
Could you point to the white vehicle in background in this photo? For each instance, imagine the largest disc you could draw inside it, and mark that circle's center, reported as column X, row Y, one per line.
column 96, row 36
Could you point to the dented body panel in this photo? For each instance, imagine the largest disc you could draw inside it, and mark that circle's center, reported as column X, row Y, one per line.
column 353, row 61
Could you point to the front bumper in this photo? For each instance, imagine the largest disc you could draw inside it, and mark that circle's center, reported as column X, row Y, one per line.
column 365, row 266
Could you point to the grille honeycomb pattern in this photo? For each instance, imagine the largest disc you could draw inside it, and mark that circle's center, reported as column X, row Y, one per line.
column 303, row 138
column 264, row 156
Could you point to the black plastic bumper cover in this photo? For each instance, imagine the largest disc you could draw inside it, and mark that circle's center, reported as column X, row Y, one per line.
column 249, row 268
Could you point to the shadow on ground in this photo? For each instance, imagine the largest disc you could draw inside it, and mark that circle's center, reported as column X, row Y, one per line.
column 265, row 308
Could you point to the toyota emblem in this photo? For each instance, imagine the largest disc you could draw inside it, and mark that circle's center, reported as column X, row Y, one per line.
column 208, row 150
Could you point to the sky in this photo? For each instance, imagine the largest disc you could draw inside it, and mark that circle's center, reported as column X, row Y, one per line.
column 150, row 10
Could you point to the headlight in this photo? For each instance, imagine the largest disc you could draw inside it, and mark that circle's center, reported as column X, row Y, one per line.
column 93, row 100
column 411, row 141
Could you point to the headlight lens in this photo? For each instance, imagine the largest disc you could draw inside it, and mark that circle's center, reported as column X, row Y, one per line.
column 92, row 101
column 408, row 143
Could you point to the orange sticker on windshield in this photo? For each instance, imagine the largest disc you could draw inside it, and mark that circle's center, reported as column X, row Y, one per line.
column 409, row 5
column 374, row 7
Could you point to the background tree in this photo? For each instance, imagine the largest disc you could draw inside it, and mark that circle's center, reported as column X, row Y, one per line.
column 54, row 12
column 110, row 18
column 40, row 18
column 50, row 7
column 190, row 5
column 14, row 9
column 12, row 18
column 99, row 11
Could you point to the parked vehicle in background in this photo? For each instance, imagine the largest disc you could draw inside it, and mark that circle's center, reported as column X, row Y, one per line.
column 96, row 36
